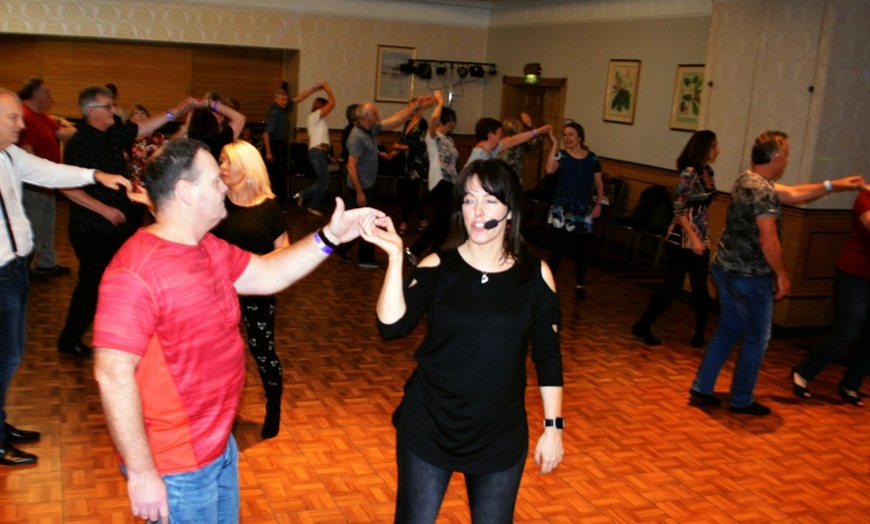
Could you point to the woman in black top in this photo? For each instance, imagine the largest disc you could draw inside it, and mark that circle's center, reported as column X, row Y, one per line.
column 254, row 222
column 486, row 297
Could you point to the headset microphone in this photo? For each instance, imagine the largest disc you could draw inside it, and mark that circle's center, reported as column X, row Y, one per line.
column 492, row 223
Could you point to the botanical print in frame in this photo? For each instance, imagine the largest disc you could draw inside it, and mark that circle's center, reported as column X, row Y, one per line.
column 621, row 97
column 392, row 85
column 688, row 88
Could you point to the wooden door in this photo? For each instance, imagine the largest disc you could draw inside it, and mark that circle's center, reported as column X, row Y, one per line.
column 545, row 103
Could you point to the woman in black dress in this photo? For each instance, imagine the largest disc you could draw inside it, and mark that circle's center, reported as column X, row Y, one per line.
column 486, row 297
column 254, row 222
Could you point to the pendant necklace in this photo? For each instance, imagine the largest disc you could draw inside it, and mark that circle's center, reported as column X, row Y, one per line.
column 484, row 278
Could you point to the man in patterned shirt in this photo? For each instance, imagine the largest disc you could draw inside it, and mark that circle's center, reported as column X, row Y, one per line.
column 749, row 270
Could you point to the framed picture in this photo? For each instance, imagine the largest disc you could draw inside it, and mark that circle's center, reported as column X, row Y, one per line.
column 687, row 97
column 621, row 97
column 392, row 85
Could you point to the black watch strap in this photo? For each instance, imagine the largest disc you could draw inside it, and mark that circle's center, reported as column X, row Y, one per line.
column 558, row 423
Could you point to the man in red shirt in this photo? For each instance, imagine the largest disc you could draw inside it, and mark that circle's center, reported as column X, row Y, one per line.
column 40, row 137
column 169, row 355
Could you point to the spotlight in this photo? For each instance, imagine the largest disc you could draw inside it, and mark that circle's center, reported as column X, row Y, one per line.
column 492, row 70
column 462, row 71
column 476, row 71
column 408, row 68
column 424, row 70
column 441, row 70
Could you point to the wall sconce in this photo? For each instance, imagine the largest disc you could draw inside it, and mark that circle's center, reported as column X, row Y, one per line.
column 532, row 72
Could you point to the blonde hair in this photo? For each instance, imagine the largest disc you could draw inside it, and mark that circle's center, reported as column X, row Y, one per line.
column 511, row 126
column 244, row 157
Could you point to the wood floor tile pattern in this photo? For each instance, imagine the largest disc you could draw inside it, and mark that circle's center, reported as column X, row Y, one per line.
column 636, row 451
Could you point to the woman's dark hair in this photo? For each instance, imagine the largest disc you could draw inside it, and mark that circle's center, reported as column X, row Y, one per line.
column 497, row 178
column 580, row 133
column 447, row 115
column 697, row 151
column 485, row 126
column 202, row 124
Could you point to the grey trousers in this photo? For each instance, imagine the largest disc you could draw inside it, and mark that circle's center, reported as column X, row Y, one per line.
column 39, row 204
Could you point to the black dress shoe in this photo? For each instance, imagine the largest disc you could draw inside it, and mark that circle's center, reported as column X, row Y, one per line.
column 752, row 409
column 79, row 349
column 645, row 334
column 19, row 436
column 12, row 456
column 704, row 399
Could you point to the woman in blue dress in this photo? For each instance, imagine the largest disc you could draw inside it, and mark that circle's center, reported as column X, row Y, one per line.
column 576, row 202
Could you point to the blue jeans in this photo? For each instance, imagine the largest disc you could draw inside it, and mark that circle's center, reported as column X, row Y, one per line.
column 852, row 307
column 209, row 494
column 746, row 304
column 492, row 497
column 319, row 162
column 13, row 311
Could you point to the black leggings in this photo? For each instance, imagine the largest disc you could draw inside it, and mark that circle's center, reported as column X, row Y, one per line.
column 259, row 315
column 680, row 262
column 421, row 489
column 562, row 242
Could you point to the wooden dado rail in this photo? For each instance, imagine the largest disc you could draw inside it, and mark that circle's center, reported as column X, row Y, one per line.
column 812, row 241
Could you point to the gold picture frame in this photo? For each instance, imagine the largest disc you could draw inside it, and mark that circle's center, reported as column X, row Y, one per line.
column 391, row 84
column 688, row 88
column 620, row 99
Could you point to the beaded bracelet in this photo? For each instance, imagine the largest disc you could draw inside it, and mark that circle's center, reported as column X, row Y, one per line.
column 169, row 115
column 534, row 133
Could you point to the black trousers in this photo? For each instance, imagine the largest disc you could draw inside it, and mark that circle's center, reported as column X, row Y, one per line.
column 562, row 243
column 680, row 262
column 366, row 250
column 94, row 252
column 278, row 169
column 435, row 235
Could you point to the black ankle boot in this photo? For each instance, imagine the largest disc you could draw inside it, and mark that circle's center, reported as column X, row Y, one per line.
column 272, row 422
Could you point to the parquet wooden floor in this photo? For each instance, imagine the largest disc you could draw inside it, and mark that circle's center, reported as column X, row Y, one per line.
column 636, row 451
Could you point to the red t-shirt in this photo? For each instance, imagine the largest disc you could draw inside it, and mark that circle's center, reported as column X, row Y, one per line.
column 855, row 257
column 175, row 306
column 39, row 134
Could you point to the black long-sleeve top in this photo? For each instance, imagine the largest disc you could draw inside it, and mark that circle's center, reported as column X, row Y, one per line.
column 464, row 404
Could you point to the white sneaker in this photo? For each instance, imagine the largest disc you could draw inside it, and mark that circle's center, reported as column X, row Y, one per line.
column 298, row 198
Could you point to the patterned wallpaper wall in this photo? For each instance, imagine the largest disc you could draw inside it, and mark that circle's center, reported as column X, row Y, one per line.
column 340, row 49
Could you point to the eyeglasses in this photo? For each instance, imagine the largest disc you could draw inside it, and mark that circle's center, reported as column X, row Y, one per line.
column 110, row 107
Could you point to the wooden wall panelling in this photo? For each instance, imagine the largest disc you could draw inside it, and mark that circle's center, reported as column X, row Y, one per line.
column 21, row 60
column 156, row 76
column 250, row 75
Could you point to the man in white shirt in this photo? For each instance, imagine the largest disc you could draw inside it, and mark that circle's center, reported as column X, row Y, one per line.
column 16, row 242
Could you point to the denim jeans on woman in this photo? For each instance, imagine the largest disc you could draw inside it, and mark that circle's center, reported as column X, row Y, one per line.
column 209, row 494
column 492, row 496
column 852, row 306
column 746, row 304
